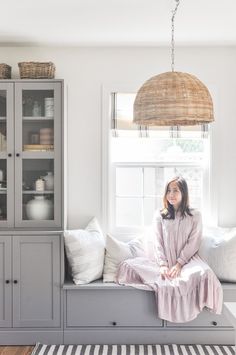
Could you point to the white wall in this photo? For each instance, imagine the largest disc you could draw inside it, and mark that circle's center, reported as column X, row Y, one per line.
column 85, row 70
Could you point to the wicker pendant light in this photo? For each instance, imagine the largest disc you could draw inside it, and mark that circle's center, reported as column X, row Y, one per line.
column 173, row 98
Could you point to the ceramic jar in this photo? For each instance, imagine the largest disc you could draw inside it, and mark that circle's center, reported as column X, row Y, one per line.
column 49, row 106
column 40, row 185
column 46, row 136
column 36, row 109
column 49, row 181
column 39, row 208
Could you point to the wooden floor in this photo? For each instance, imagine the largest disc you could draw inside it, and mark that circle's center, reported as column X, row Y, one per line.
column 16, row 350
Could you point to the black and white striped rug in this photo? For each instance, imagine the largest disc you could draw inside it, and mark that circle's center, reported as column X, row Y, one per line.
column 172, row 349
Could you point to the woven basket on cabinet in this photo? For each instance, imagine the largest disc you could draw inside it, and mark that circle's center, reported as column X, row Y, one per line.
column 5, row 71
column 36, row 70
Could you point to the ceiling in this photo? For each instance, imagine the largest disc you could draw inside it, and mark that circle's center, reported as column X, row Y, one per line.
column 116, row 22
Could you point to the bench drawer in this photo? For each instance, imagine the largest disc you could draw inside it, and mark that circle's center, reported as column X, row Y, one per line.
column 99, row 308
column 204, row 319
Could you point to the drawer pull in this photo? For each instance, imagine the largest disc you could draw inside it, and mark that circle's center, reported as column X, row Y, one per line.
column 114, row 323
column 214, row 323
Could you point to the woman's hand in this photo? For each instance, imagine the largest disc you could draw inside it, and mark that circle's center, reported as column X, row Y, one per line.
column 164, row 271
column 175, row 271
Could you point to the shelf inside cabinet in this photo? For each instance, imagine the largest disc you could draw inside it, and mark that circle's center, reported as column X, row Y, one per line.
column 3, row 118
column 34, row 192
column 37, row 118
column 34, row 154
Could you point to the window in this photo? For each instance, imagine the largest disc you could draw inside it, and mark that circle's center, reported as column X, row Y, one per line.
column 142, row 159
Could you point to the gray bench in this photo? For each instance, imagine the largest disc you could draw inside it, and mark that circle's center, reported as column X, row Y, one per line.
column 229, row 310
column 99, row 313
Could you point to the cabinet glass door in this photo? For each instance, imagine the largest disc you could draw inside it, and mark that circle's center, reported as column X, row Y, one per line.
column 6, row 155
column 38, row 154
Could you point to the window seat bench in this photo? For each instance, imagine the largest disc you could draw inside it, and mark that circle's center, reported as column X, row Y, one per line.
column 107, row 313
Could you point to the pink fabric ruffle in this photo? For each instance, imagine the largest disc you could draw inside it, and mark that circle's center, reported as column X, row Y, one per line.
column 180, row 299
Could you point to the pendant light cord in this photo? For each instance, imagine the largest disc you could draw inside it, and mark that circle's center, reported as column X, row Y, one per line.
column 172, row 36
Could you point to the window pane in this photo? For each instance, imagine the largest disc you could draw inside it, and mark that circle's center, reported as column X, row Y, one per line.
column 128, row 211
column 150, row 181
column 137, row 149
column 129, row 182
column 194, row 178
column 150, row 205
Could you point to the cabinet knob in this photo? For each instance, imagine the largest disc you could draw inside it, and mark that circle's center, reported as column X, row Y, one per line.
column 17, row 154
column 214, row 323
column 114, row 323
column 9, row 154
column 15, row 282
column 7, row 281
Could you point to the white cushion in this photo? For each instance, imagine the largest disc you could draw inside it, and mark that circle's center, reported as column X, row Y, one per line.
column 118, row 251
column 218, row 249
column 85, row 251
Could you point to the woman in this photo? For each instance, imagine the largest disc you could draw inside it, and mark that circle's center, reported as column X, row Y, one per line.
column 183, row 283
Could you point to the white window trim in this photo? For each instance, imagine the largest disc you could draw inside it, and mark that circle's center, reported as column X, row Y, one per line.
column 210, row 216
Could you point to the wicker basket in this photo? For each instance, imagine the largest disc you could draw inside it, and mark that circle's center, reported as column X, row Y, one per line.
column 36, row 70
column 5, row 71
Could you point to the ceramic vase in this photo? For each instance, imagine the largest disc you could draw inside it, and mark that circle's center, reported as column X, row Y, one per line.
column 40, row 185
column 49, row 181
column 49, row 106
column 39, row 208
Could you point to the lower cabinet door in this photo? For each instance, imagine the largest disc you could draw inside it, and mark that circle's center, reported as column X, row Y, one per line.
column 5, row 282
column 111, row 308
column 36, row 281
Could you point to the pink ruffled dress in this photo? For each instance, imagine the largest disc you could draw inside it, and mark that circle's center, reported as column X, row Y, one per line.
column 183, row 298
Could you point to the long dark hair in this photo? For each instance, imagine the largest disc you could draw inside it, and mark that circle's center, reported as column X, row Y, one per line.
column 168, row 212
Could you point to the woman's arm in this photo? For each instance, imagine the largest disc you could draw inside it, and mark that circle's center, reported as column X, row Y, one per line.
column 159, row 244
column 194, row 240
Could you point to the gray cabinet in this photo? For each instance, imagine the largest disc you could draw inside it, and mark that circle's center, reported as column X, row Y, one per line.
column 31, row 210
column 5, row 279
column 30, row 292
column 31, row 144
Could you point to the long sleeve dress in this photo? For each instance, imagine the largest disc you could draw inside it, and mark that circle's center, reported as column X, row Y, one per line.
column 180, row 299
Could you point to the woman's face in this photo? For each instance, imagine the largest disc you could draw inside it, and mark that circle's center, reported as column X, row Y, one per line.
column 174, row 195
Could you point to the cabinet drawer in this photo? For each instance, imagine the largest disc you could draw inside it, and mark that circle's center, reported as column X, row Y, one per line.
column 111, row 308
column 205, row 319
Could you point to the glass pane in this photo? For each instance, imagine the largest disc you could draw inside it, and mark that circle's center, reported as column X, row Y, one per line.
column 3, row 122
column 38, row 120
column 38, row 136
column 137, row 149
column 38, row 189
column 3, row 189
column 3, row 104
column 129, row 182
column 150, row 181
column 150, row 205
column 194, row 178
column 128, row 211
column 38, row 103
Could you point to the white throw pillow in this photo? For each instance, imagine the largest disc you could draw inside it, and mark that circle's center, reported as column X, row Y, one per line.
column 85, row 251
column 118, row 251
column 218, row 249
